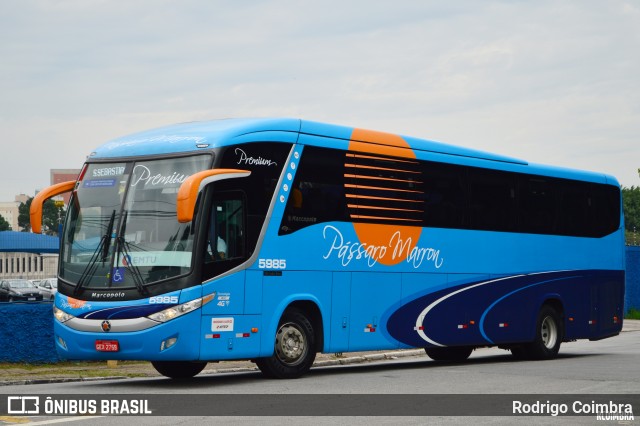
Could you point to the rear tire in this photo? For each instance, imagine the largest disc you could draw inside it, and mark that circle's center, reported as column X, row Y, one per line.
column 294, row 348
column 454, row 353
column 178, row 369
column 549, row 335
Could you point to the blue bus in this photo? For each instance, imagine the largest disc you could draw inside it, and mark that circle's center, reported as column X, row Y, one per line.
column 275, row 239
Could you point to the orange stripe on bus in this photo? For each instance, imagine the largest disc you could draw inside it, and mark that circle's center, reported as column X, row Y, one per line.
column 372, row 197
column 375, row 157
column 359, row 206
column 376, row 234
column 353, row 216
column 379, row 188
column 376, row 137
column 373, row 148
column 360, row 166
column 379, row 178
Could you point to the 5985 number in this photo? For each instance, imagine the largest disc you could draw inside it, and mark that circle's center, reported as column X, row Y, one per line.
column 272, row 263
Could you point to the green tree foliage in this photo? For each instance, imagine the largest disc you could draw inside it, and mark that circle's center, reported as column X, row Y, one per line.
column 4, row 225
column 631, row 205
column 52, row 216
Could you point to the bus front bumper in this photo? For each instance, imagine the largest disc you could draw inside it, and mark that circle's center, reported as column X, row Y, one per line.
column 175, row 340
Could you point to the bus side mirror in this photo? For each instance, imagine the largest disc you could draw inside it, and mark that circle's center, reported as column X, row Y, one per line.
column 191, row 187
column 35, row 212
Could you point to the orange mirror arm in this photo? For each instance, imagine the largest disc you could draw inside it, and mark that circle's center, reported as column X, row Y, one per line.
column 191, row 187
column 35, row 211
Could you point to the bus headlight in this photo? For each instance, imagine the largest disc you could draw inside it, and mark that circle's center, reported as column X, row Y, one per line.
column 176, row 311
column 61, row 315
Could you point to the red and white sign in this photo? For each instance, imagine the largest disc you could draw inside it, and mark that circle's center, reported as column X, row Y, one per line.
column 222, row 324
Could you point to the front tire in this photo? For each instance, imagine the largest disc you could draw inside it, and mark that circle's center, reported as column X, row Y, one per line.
column 178, row 369
column 294, row 348
column 549, row 335
column 454, row 353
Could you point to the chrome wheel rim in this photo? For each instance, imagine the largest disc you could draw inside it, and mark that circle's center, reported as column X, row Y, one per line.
column 549, row 332
column 291, row 344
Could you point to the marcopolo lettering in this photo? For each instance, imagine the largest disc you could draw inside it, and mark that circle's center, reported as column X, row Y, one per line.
column 107, row 295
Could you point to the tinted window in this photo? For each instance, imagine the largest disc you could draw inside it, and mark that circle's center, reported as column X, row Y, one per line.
column 492, row 197
column 445, row 190
column 538, row 203
column 265, row 161
column 317, row 194
column 332, row 185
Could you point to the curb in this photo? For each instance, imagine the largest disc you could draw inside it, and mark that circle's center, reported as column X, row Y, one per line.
column 60, row 380
column 370, row 357
column 320, row 363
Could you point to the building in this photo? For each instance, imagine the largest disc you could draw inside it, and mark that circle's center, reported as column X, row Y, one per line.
column 10, row 211
column 30, row 266
column 64, row 175
column 29, row 256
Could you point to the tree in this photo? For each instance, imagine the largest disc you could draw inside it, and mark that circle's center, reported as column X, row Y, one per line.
column 52, row 216
column 631, row 206
column 4, row 225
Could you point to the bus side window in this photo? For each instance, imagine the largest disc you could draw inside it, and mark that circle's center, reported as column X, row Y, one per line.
column 318, row 191
column 538, row 205
column 226, row 233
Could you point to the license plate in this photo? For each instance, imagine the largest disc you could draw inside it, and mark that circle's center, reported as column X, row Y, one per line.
column 107, row 346
column 31, row 298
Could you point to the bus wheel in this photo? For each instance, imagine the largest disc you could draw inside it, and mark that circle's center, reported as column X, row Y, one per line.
column 548, row 335
column 294, row 350
column 178, row 369
column 454, row 353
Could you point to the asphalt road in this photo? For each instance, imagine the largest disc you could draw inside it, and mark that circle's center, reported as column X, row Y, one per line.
column 606, row 368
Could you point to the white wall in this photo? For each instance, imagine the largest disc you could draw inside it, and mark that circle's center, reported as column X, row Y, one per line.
column 28, row 265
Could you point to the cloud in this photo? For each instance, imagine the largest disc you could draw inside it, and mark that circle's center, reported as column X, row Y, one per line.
column 541, row 80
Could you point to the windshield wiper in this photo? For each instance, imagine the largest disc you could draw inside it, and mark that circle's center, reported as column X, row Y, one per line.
column 138, row 280
column 122, row 246
column 101, row 252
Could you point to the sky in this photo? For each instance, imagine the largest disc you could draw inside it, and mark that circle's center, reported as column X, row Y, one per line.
column 553, row 82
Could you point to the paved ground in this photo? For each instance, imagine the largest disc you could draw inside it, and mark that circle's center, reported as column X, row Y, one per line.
column 12, row 374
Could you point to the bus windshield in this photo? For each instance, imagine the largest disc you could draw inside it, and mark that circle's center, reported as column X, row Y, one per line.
column 121, row 229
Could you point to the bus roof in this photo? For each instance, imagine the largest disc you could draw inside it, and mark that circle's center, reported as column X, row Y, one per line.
column 190, row 137
column 205, row 135
column 196, row 136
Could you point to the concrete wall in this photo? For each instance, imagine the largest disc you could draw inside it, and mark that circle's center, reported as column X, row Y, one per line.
column 26, row 329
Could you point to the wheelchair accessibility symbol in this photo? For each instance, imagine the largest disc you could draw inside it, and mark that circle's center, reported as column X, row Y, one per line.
column 118, row 275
